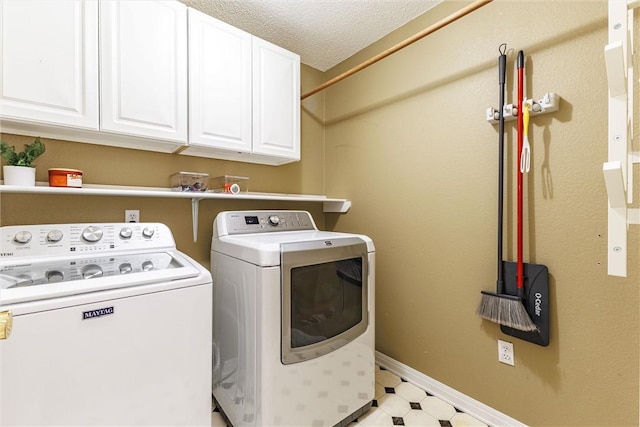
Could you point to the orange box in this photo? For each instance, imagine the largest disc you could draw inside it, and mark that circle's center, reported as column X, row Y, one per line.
column 60, row 177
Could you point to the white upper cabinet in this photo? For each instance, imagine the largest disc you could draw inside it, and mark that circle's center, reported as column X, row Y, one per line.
column 147, row 74
column 276, row 101
column 219, row 84
column 244, row 95
column 49, row 62
column 143, row 54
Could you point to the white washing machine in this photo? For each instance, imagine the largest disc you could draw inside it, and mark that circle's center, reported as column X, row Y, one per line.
column 293, row 320
column 102, row 324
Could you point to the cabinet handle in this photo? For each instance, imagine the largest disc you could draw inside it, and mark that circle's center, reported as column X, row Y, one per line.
column 6, row 323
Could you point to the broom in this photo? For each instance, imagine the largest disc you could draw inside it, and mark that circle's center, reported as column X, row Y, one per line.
column 499, row 307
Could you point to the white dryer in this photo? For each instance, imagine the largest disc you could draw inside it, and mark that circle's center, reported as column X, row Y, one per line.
column 293, row 320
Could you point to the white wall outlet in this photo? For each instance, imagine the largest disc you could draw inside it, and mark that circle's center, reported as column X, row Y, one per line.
column 131, row 215
column 505, row 352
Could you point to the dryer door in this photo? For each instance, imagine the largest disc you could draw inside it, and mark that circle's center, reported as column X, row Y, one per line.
column 324, row 296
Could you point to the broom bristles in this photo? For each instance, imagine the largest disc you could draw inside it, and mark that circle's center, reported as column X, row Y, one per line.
column 505, row 310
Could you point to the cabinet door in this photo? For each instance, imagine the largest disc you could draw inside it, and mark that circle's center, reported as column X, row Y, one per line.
column 49, row 62
column 219, row 84
column 276, row 101
column 143, row 54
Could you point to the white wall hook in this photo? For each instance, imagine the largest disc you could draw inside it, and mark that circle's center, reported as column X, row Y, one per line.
column 491, row 114
column 549, row 103
column 614, row 62
column 615, row 184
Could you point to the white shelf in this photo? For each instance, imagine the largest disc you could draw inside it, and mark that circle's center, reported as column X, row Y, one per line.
column 328, row 204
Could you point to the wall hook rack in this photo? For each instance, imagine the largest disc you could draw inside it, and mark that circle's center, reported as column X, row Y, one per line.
column 618, row 170
column 549, row 103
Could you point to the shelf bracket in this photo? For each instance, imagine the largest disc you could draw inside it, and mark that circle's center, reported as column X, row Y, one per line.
column 618, row 170
column 337, row 207
column 195, row 207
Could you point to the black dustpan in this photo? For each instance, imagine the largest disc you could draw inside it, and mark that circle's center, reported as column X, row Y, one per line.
column 536, row 300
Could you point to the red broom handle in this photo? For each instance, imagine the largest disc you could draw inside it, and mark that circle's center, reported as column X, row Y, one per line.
column 520, row 264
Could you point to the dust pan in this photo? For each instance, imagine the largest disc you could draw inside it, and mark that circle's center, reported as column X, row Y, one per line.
column 535, row 301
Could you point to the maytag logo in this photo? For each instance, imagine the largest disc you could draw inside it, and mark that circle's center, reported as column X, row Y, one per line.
column 328, row 243
column 96, row 313
column 6, row 254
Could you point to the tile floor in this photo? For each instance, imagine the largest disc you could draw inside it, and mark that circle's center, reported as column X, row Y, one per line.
column 400, row 403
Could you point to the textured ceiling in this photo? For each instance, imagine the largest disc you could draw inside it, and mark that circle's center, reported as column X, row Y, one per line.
column 322, row 32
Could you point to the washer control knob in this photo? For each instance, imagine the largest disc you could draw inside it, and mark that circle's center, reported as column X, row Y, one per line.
column 54, row 276
column 126, row 233
column 274, row 220
column 22, row 237
column 92, row 234
column 91, row 271
column 125, row 268
column 54, row 236
column 148, row 232
column 147, row 266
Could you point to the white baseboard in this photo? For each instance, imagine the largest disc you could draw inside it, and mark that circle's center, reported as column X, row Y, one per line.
column 453, row 397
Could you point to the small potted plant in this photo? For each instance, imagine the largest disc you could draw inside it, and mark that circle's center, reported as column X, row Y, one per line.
column 19, row 168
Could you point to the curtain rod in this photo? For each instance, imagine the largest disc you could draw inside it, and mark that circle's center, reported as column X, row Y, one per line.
column 440, row 24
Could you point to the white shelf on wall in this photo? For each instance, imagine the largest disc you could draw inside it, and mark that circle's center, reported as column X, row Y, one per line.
column 328, row 204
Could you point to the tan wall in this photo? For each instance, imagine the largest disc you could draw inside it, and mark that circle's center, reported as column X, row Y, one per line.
column 117, row 166
column 407, row 142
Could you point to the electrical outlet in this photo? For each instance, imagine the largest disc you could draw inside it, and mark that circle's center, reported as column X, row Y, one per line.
column 505, row 352
column 131, row 215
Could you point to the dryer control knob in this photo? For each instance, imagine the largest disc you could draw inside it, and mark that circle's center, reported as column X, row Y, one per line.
column 22, row 237
column 148, row 232
column 92, row 234
column 274, row 220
